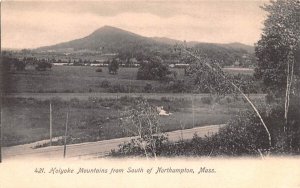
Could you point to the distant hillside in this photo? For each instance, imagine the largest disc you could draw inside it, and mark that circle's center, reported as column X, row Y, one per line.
column 227, row 54
column 166, row 40
column 236, row 45
column 109, row 39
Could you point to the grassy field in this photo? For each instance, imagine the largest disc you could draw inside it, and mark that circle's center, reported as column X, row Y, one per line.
column 83, row 79
column 27, row 120
column 236, row 70
column 70, row 79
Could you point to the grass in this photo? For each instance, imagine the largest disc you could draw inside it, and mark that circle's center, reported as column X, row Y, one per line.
column 237, row 70
column 83, row 79
column 69, row 79
column 93, row 119
column 27, row 120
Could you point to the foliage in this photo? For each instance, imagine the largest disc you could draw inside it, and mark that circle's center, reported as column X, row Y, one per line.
column 278, row 55
column 42, row 66
column 178, row 86
column 142, row 121
column 244, row 136
column 279, row 44
column 148, row 88
column 113, row 67
column 207, row 80
column 105, row 84
column 206, row 100
column 225, row 55
column 5, row 79
column 99, row 70
column 10, row 62
column 153, row 69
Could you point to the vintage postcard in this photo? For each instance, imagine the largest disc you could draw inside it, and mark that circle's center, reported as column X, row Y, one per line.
column 150, row 93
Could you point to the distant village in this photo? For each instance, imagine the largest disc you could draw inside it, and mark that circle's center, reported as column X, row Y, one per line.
column 46, row 59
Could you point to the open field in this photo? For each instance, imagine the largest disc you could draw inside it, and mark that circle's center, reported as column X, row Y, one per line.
column 69, row 79
column 83, row 79
column 91, row 95
column 27, row 120
column 236, row 70
column 94, row 109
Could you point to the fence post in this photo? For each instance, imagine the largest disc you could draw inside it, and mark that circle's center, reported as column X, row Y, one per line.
column 66, row 130
column 193, row 111
column 1, row 132
column 50, row 124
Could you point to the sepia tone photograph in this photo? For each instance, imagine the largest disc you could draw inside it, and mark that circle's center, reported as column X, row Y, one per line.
column 150, row 93
column 149, row 79
column 94, row 80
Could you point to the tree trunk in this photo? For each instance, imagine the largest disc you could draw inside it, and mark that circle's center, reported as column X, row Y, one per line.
column 245, row 96
column 289, row 81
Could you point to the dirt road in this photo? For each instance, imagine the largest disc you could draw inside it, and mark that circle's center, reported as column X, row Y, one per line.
column 95, row 149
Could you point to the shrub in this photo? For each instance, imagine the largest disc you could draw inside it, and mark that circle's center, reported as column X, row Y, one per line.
column 133, row 148
column 42, row 66
column 118, row 88
column 113, row 67
column 228, row 99
column 206, row 100
column 142, row 121
column 218, row 99
column 285, row 141
column 244, row 135
column 126, row 99
column 270, row 98
column 148, row 88
column 99, row 70
column 165, row 99
column 153, row 70
column 105, row 84
column 178, row 86
column 225, row 100
column 56, row 100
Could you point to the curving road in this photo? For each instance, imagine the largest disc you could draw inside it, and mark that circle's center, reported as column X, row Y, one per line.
column 95, row 149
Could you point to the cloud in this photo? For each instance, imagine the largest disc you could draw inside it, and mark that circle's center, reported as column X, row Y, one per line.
column 30, row 25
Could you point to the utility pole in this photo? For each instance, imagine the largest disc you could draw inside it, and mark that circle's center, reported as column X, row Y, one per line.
column 1, row 122
column 193, row 111
column 1, row 90
column 66, row 133
column 50, row 124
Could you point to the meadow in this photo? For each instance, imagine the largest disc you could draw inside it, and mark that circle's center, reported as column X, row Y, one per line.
column 71, row 89
column 72, row 79
column 84, row 79
column 27, row 120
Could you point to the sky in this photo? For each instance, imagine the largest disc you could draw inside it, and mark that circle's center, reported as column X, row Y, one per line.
column 31, row 24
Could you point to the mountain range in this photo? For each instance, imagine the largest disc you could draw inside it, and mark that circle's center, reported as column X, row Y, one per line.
column 109, row 39
column 112, row 38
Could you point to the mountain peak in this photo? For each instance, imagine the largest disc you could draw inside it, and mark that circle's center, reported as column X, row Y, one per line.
column 112, row 39
column 110, row 31
column 108, row 28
